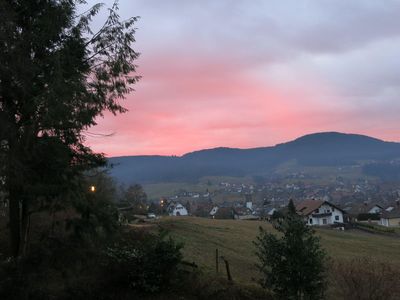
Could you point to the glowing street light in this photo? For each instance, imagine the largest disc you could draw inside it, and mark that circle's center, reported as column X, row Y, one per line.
column 92, row 188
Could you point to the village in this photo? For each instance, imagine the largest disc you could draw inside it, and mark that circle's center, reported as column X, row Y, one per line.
column 334, row 204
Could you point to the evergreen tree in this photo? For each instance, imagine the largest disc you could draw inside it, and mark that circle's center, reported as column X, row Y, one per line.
column 56, row 77
column 136, row 198
column 291, row 208
column 291, row 263
column 188, row 207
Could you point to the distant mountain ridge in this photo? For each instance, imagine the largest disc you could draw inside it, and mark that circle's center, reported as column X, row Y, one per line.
column 318, row 149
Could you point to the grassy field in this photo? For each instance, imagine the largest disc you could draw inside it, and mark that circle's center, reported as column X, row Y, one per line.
column 211, row 183
column 234, row 239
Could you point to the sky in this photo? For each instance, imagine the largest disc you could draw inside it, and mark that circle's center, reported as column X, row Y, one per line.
column 255, row 73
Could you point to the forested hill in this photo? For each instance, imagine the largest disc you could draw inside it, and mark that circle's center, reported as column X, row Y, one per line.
column 319, row 149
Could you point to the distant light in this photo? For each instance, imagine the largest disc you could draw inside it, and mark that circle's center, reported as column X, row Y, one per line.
column 92, row 188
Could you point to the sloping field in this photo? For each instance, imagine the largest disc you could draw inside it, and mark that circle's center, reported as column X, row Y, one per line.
column 234, row 240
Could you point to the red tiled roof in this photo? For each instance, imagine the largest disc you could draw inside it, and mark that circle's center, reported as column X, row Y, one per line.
column 306, row 207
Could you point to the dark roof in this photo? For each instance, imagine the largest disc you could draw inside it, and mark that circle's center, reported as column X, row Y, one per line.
column 224, row 213
column 391, row 214
column 242, row 211
column 361, row 208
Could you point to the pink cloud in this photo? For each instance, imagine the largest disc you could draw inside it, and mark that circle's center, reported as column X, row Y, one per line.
column 184, row 104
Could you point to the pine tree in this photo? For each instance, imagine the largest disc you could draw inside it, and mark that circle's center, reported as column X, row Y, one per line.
column 136, row 198
column 291, row 208
column 56, row 77
column 291, row 263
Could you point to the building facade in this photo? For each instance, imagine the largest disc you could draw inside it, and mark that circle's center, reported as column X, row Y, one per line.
column 320, row 213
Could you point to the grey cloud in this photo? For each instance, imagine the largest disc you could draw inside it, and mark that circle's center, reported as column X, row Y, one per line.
column 353, row 45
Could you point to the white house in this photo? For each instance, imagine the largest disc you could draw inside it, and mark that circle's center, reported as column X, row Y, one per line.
column 271, row 212
column 318, row 212
column 213, row 211
column 375, row 209
column 249, row 205
column 389, row 208
column 177, row 209
column 390, row 219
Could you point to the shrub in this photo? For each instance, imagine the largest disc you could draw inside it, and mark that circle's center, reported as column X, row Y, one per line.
column 148, row 263
column 366, row 279
column 375, row 228
column 366, row 217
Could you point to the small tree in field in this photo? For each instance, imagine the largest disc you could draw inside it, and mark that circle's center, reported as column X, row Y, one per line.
column 292, row 264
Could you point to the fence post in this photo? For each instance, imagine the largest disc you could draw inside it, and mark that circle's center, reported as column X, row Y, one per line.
column 216, row 261
column 228, row 271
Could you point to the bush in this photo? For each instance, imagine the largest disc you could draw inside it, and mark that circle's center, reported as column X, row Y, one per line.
column 366, row 278
column 147, row 263
column 375, row 228
column 134, row 263
column 366, row 217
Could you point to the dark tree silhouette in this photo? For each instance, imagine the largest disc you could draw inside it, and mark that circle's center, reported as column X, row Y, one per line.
column 56, row 77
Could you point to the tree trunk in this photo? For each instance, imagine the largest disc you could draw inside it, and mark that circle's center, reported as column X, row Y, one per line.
column 15, row 219
column 25, row 225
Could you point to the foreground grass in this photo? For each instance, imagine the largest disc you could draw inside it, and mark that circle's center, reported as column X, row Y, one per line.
column 234, row 240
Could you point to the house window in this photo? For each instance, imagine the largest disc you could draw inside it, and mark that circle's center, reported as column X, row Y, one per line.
column 317, row 211
column 324, row 221
column 337, row 218
column 328, row 210
column 310, row 221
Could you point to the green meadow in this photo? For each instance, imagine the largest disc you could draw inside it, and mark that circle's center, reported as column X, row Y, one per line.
column 234, row 240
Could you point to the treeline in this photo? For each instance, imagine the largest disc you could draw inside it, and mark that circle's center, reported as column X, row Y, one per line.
column 322, row 149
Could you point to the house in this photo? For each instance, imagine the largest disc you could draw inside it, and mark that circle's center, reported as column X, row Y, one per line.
column 389, row 208
column 223, row 213
column 390, row 218
column 243, row 213
column 214, row 210
column 317, row 212
column 356, row 212
column 249, row 205
column 393, row 206
column 375, row 209
column 177, row 209
column 202, row 209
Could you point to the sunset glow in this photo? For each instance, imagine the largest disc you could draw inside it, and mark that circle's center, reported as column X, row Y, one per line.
column 245, row 75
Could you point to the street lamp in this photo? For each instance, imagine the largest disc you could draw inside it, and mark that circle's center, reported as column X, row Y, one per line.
column 92, row 188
